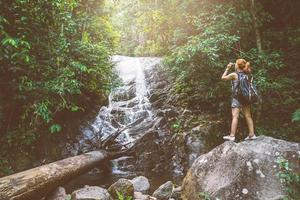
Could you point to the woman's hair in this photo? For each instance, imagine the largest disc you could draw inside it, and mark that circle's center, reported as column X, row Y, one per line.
column 247, row 69
column 243, row 65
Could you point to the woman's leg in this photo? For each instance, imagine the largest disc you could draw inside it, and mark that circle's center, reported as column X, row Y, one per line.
column 247, row 113
column 235, row 120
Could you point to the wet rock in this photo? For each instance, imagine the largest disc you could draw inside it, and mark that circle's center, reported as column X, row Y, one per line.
column 194, row 144
column 124, row 93
column 159, row 122
column 123, row 186
column 148, row 152
column 59, row 194
column 159, row 113
column 141, row 184
column 164, row 192
column 91, row 193
column 240, row 170
column 171, row 112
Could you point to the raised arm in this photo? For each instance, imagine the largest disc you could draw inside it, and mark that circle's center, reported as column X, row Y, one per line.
column 228, row 77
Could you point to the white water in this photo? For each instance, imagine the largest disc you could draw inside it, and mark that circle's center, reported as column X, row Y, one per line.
column 127, row 103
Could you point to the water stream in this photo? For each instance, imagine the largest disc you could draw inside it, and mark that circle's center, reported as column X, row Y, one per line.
column 127, row 103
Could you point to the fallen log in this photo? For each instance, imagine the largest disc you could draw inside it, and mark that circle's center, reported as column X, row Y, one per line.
column 35, row 183
column 111, row 138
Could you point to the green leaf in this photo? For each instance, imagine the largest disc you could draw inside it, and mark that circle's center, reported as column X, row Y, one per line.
column 10, row 41
column 55, row 128
column 296, row 116
column 74, row 108
column 79, row 66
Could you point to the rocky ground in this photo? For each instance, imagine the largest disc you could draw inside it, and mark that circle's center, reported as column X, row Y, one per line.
column 124, row 189
column 231, row 171
column 186, row 144
column 244, row 171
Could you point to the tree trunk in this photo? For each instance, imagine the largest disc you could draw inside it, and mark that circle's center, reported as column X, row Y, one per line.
column 255, row 26
column 259, row 48
column 35, row 183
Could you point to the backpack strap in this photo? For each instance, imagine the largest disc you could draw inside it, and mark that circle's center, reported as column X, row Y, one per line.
column 234, row 88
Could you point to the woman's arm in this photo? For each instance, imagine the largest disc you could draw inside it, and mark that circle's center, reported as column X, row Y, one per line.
column 226, row 77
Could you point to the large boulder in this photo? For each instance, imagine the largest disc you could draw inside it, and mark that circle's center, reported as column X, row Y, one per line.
column 245, row 170
column 122, row 186
column 164, row 192
column 91, row 193
column 141, row 184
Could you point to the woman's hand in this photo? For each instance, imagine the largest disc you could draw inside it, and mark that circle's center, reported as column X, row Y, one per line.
column 229, row 66
column 230, row 76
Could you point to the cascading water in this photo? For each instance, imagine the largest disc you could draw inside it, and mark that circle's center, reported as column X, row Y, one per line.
column 127, row 103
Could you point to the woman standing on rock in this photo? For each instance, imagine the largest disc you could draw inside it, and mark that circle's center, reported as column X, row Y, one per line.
column 241, row 66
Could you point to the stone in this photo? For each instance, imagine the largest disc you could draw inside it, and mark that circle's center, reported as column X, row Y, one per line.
column 176, row 192
column 171, row 112
column 240, row 170
column 141, row 184
column 59, row 194
column 91, row 193
column 164, row 192
column 194, row 144
column 140, row 196
column 123, row 186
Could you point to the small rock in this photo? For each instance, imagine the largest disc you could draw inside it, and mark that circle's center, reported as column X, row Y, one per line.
column 91, row 193
column 164, row 192
column 196, row 130
column 176, row 192
column 141, row 184
column 123, row 186
column 140, row 196
column 245, row 191
column 59, row 194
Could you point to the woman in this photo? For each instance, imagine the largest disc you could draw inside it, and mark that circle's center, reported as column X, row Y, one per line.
column 241, row 66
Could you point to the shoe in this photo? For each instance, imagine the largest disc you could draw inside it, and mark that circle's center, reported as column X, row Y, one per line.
column 229, row 137
column 251, row 138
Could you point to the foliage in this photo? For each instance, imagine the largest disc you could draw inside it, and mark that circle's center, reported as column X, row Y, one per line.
column 296, row 116
column 289, row 178
column 122, row 197
column 54, row 61
column 145, row 27
column 176, row 126
column 199, row 38
column 204, row 196
column 5, row 169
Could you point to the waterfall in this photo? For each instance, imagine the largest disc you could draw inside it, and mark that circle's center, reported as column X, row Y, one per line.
column 128, row 102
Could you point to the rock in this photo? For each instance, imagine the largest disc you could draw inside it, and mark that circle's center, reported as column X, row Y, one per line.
column 140, row 196
column 177, row 192
column 141, row 184
column 240, row 170
column 194, row 144
column 164, row 192
column 171, row 112
column 196, row 130
column 123, row 186
column 195, row 148
column 91, row 193
column 59, row 194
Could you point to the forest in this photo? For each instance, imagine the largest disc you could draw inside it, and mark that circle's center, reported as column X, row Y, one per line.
column 199, row 38
column 55, row 61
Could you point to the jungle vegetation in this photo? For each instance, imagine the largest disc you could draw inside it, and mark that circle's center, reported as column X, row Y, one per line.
column 55, row 59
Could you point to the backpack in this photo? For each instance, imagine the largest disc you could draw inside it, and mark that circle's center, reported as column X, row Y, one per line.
column 246, row 91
